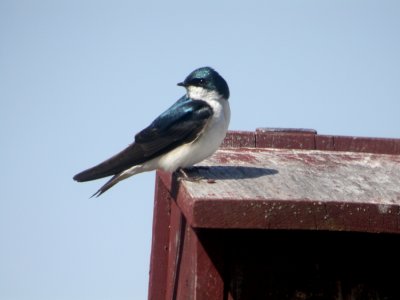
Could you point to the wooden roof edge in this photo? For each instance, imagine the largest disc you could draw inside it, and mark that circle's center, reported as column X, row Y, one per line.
column 309, row 139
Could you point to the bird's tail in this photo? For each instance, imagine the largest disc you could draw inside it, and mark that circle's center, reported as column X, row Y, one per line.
column 109, row 184
column 130, row 156
column 117, row 178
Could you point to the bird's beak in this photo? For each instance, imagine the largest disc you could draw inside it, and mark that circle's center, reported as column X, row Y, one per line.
column 181, row 84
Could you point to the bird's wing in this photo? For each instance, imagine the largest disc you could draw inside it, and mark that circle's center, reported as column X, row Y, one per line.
column 181, row 123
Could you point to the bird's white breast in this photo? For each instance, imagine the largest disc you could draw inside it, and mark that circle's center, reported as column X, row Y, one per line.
column 210, row 139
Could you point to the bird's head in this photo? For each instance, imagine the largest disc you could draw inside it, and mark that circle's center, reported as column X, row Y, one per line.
column 204, row 81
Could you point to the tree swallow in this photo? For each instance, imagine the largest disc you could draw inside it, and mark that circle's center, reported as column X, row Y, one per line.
column 189, row 131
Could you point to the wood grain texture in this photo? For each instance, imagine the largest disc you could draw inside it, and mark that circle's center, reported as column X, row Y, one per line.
column 294, row 189
column 271, row 209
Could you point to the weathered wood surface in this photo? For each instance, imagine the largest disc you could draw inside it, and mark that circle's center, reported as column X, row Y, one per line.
column 308, row 139
column 294, row 189
column 288, row 179
column 180, row 267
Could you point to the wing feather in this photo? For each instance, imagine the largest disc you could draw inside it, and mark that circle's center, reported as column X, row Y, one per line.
column 181, row 123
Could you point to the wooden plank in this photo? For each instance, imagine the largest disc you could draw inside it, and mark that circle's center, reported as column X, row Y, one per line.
column 237, row 139
column 160, row 242
column 292, row 138
column 324, row 142
column 294, row 189
column 285, row 138
column 192, row 274
column 189, row 272
column 177, row 242
column 370, row 145
column 200, row 251
column 345, row 185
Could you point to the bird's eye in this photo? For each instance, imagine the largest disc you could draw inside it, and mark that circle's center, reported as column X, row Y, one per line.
column 198, row 81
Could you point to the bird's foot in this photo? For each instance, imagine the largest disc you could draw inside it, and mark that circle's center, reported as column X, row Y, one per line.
column 185, row 176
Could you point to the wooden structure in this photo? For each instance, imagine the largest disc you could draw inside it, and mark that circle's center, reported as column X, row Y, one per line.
column 281, row 214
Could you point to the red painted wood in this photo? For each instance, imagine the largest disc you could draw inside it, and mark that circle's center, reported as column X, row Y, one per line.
column 238, row 139
column 199, row 276
column 324, row 143
column 286, row 139
column 294, row 189
column 293, row 215
column 160, row 242
column 358, row 144
column 180, row 267
column 370, row 145
column 309, row 139
column 262, row 222
column 176, row 241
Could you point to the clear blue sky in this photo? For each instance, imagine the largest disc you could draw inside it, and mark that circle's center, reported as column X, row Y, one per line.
column 79, row 78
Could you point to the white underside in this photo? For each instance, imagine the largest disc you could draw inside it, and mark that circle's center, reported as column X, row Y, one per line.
column 204, row 146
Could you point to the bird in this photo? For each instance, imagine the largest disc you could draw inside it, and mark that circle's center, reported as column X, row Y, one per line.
column 188, row 132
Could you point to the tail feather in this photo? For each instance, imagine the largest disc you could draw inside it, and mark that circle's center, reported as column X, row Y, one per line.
column 109, row 184
column 130, row 156
column 117, row 178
